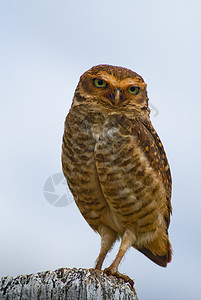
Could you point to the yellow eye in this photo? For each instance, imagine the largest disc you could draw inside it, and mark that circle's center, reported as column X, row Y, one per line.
column 134, row 90
column 99, row 83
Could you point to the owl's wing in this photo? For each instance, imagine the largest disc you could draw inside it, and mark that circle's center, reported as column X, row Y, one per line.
column 151, row 144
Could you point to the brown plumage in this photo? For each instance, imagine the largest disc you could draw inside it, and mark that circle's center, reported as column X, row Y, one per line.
column 116, row 167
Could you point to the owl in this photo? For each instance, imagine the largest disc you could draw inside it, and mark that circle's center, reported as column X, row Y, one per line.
column 116, row 166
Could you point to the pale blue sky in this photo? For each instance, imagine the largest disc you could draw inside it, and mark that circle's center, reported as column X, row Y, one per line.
column 45, row 47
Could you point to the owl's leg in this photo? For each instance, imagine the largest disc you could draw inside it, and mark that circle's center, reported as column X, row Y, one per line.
column 108, row 238
column 128, row 240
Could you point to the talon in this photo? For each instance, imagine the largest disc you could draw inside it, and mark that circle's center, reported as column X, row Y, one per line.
column 110, row 271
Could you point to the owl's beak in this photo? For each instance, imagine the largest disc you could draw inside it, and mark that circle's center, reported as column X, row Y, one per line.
column 117, row 97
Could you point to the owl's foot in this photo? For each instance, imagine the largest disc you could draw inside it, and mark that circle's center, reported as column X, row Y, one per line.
column 111, row 271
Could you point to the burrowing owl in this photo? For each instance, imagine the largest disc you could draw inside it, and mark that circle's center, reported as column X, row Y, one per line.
column 116, row 167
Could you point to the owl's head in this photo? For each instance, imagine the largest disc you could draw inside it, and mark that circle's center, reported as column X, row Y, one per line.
column 113, row 86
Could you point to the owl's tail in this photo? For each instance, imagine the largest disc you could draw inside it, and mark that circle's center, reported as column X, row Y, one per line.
column 159, row 260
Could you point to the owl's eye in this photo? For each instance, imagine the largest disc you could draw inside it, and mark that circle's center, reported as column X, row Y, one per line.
column 99, row 83
column 134, row 90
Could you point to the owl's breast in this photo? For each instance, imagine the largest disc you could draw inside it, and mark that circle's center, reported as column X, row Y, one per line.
column 108, row 173
column 83, row 130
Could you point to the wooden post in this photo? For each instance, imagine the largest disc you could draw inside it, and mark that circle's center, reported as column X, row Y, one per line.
column 66, row 284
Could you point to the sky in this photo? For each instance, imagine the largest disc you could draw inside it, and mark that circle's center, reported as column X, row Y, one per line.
column 45, row 47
